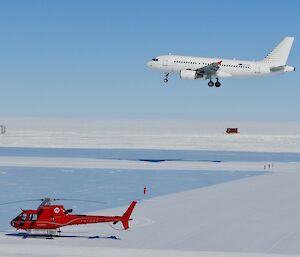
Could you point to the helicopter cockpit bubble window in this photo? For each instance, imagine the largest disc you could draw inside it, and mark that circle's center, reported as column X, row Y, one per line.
column 19, row 216
column 23, row 217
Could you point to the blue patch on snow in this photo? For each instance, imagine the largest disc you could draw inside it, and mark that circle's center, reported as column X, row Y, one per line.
column 148, row 154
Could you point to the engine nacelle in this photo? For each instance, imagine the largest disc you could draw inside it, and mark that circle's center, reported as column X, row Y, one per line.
column 190, row 74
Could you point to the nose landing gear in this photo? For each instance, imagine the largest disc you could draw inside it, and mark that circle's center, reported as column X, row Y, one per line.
column 166, row 78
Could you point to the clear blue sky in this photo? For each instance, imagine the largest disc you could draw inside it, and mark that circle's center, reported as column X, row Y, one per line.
column 87, row 58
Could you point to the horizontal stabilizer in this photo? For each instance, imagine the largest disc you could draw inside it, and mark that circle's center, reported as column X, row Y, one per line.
column 277, row 68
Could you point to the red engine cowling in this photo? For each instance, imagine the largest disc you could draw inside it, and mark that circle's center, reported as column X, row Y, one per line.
column 190, row 74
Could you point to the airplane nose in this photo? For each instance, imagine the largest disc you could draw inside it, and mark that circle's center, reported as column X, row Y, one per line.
column 149, row 64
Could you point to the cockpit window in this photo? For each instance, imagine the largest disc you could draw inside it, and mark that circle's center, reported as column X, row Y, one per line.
column 23, row 217
column 19, row 216
column 155, row 59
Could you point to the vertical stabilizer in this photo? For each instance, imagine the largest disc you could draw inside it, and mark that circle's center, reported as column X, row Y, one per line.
column 127, row 214
column 280, row 53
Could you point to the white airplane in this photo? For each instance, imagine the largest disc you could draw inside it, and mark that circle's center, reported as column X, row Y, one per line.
column 191, row 68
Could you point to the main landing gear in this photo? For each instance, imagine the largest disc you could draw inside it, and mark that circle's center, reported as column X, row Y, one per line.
column 211, row 83
column 166, row 78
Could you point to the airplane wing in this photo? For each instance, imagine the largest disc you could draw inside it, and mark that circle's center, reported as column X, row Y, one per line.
column 209, row 70
column 223, row 74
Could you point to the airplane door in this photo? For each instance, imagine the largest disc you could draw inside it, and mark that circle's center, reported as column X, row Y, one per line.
column 257, row 67
column 165, row 62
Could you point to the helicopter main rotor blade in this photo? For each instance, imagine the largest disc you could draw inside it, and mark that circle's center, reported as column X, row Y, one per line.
column 78, row 200
column 47, row 200
column 22, row 201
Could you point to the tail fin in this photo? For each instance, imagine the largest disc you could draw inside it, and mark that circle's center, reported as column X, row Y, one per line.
column 127, row 214
column 280, row 53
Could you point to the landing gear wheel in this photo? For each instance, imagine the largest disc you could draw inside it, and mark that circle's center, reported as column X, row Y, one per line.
column 210, row 83
column 166, row 80
column 217, row 84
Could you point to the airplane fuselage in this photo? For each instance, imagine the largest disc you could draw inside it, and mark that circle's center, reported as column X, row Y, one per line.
column 227, row 68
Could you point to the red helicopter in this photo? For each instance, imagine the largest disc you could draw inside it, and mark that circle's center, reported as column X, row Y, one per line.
column 50, row 218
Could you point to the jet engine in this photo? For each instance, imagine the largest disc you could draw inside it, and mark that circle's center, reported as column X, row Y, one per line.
column 190, row 74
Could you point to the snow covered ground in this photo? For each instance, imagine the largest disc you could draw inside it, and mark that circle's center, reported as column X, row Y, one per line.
column 248, row 216
column 253, row 216
column 138, row 165
column 151, row 134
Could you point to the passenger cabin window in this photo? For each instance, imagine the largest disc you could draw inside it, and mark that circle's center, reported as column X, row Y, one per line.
column 32, row 217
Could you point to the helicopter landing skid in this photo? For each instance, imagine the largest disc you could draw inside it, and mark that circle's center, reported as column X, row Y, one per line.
column 52, row 236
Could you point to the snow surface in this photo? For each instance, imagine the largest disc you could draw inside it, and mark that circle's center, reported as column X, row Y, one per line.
column 254, row 216
column 49, row 250
column 50, row 162
column 239, row 218
column 151, row 134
